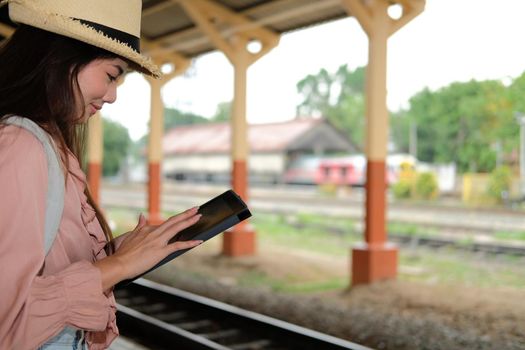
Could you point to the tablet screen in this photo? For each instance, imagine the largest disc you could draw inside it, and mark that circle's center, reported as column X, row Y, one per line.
column 213, row 212
column 218, row 214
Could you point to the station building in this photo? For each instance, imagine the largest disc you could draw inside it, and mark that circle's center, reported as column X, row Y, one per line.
column 201, row 152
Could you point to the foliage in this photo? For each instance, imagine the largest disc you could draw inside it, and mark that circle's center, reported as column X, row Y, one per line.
column 402, row 189
column 139, row 147
column 400, row 125
column 426, row 186
column 516, row 94
column 471, row 124
column 421, row 186
column 339, row 97
column 463, row 123
column 116, row 145
column 499, row 183
column 223, row 112
column 175, row 117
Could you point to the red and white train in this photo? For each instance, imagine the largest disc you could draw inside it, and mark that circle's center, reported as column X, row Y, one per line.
column 341, row 171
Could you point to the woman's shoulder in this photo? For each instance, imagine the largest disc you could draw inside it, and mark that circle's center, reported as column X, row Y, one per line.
column 20, row 145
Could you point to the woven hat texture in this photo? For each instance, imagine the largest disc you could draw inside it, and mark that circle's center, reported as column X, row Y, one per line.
column 113, row 25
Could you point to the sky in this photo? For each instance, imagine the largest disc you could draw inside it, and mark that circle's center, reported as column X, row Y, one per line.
column 452, row 40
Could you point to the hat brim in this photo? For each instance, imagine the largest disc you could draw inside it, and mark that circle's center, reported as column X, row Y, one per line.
column 22, row 12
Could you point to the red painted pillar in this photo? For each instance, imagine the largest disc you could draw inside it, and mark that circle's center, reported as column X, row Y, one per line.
column 210, row 17
column 241, row 239
column 95, row 154
column 154, row 216
column 94, row 173
column 376, row 259
column 156, row 132
column 155, row 152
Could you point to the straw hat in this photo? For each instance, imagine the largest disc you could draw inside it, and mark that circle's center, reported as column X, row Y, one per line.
column 113, row 25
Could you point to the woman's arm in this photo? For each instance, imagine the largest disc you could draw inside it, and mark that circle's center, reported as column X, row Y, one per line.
column 33, row 308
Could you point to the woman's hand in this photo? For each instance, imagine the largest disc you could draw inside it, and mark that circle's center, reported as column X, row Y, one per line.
column 145, row 246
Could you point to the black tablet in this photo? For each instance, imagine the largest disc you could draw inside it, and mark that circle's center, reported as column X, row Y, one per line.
column 218, row 215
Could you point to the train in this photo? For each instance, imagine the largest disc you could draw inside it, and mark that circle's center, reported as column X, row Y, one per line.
column 347, row 170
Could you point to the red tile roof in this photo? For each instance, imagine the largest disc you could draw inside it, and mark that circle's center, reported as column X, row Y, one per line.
column 215, row 137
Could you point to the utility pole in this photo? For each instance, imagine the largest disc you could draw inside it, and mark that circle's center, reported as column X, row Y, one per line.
column 413, row 139
column 520, row 118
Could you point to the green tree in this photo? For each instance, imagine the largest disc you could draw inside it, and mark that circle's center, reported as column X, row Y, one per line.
column 499, row 183
column 318, row 91
column 510, row 131
column 339, row 97
column 460, row 123
column 174, row 117
column 223, row 112
column 400, row 124
column 426, row 186
column 516, row 93
column 116, row 146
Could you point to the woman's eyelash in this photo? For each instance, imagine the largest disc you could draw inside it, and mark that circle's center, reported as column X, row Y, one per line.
column 111, row 78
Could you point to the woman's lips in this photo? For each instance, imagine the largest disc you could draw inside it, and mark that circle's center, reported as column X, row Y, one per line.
column 94, row 108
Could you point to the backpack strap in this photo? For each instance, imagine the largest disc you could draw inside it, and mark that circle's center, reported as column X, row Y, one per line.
column 55, row 179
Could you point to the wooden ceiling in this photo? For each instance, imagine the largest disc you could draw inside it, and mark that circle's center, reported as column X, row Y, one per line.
column 167, row 26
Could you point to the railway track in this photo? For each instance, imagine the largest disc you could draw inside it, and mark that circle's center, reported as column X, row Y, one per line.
column 441, row 217
column 436, row 242
column 457, row 226
column 162, row 317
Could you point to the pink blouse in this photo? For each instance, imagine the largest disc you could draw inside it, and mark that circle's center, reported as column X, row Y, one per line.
column 35, row 305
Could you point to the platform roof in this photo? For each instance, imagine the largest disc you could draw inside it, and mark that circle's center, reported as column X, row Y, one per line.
column 165, row 24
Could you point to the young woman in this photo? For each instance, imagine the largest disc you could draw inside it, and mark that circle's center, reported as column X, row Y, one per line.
column 59, row 68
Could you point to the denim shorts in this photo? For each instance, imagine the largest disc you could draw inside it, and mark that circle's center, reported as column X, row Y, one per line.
column 69, row 338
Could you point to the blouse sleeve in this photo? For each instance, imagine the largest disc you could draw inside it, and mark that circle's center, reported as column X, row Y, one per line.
column 34, row 308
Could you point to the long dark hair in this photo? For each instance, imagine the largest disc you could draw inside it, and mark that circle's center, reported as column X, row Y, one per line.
column 38, row 80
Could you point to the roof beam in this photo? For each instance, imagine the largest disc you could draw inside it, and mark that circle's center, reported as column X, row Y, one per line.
column 411, row 9
column 156, row 8
column 360, row 11
column 364, row 12
column 161, row 56
column 170, row 40
column 210, row 16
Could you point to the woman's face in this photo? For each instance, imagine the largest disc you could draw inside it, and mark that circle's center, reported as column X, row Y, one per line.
column 98, row 82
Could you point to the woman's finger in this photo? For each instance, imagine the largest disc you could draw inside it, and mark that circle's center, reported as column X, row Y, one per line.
column 180, row 245
column 142, row 222
column 168, row 225
column 178, row 227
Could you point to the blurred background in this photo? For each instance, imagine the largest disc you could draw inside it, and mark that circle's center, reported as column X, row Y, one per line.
column 455, row 175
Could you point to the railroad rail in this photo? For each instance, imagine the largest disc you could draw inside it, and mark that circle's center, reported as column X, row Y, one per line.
column 437, row 216
column 163, row 317
column 414, row 240
column 437, row 242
